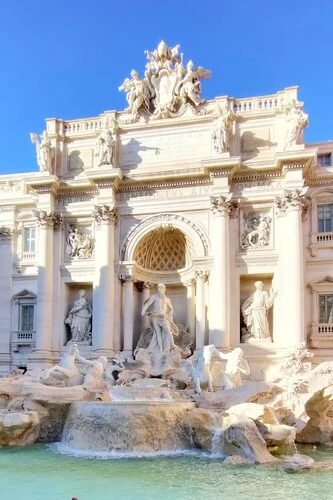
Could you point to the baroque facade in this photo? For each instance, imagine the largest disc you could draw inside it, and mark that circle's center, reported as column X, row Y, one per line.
column 220, row 200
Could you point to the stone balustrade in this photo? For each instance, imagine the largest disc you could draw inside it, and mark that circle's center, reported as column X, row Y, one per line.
column 82, row 127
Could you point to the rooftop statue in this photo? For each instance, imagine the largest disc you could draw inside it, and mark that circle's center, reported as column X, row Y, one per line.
column 296, row 122
column 167, row 87
column 105, row 147
column 44, row 151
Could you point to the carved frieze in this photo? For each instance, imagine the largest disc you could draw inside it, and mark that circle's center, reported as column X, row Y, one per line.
column 79, row 243
column 256, row 230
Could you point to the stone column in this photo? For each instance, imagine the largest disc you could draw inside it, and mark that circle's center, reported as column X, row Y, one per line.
column 103, row 325
column 128, row 312
column 219, row 334
column 145, row 296
column 190, row 300
column 5, row 297
column 200, row 309
column 44, row 316
column 292, row 206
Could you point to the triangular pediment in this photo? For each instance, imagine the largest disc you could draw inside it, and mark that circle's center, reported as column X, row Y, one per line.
column 327, row 280
column 24, row 294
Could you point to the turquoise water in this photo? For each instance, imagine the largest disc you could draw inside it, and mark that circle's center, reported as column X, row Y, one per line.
column 39, row 472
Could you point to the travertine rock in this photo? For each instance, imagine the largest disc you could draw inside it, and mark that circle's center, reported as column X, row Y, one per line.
column 228, row 434
column 18, row 428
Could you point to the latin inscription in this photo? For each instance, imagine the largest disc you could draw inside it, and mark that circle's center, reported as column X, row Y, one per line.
column 165, row 148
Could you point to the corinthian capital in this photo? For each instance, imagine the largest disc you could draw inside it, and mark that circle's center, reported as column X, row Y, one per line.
column 224, row 205
column 204, row 274
column 47, row 219
column 293, row 199
column 104, row 214
column 5, row 234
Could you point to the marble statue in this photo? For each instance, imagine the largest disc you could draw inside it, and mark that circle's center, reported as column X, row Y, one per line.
column 160, row 311
column 78, row 245
column 79, row 319
column 66, row 372
column 105, row 148
column 222, row 128
column 254, row 311
column 113, row 369
column 256, row 232
column 95, row 369
column 296, row 121
column 137, row 93
column 235, row 367
column 138, row 368
column 44, row 151
column 167, row 87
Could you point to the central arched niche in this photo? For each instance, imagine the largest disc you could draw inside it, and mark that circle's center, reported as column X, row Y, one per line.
column 164, row 249
column 164, row 253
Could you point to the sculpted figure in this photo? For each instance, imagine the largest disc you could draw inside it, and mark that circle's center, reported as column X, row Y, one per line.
column 222, row 129
column 78, row 245
column 254, row 311
column 236, row 365
column 201, row 368
column 95, row 369
column 79, row 319
column 66, row 372
column 296, row 121
column 260, row 235
column 44, row 151
column 190, row 87
column 137, row 93
column 105, row 148
column 160, row 311
column 73, row 243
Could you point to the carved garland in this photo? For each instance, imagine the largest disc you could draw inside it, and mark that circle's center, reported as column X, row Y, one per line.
column 5, row 234
column 163, row 218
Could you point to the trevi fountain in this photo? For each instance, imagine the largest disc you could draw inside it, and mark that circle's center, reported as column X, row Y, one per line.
column 159, row 329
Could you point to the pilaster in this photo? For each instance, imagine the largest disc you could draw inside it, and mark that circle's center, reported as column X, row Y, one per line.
column 222, row 208
column 5, row 296
column 292, row 208
column 200, row 308
column 103, row 320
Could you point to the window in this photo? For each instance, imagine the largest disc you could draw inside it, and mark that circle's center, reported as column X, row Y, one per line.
column 324, row 160
column 325, row 216
column 326, row 308
column 29, row 241
column 27, row 317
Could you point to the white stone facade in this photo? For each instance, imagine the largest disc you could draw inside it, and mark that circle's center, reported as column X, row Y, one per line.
column 170, row 200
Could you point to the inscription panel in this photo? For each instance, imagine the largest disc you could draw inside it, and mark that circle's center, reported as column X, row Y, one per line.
column 165, row 148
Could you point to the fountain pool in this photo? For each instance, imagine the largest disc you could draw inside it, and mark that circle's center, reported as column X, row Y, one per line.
column 41, row 472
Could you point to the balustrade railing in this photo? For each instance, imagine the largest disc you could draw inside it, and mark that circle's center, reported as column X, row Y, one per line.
column 325, row 237
column 81, row 127
column 22, row 337
column 322, row 330
column 250, row 105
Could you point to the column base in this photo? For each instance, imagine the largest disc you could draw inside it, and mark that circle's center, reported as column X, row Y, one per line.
column 96, row 353
column 127, row 354
column 40, row 359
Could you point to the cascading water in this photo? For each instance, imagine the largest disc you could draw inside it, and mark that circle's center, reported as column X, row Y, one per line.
column 129, row 425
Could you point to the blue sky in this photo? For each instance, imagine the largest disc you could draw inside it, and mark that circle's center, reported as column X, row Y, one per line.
column 66, row 58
